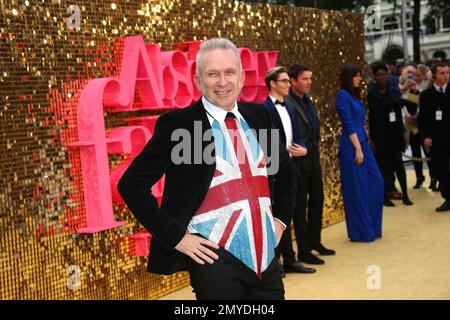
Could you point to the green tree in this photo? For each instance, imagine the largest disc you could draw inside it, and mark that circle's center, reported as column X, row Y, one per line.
column 437, row 9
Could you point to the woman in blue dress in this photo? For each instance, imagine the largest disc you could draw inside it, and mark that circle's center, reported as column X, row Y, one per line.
column 362, row 182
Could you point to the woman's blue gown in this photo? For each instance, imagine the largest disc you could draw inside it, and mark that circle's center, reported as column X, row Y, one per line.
column 362, row 185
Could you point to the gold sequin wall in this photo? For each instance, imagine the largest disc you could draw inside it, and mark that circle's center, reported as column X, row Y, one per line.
column 45, row 64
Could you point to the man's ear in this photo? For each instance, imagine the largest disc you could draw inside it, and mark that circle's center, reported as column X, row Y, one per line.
column 198, row 82
column 274, row 83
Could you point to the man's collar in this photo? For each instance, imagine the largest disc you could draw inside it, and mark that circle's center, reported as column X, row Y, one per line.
column 218, row 113
column 297, row 97
column 274, row 99
column 438, row 88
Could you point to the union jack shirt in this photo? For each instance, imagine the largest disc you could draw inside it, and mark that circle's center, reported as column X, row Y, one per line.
column 236, row 213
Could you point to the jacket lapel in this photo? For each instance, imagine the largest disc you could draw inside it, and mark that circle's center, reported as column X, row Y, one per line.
column 199, row 114
column 274, row 113
column 293, row 115
column 298, row 107
column 275, row 118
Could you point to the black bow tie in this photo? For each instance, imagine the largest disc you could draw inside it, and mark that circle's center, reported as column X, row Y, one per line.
column 281, row 103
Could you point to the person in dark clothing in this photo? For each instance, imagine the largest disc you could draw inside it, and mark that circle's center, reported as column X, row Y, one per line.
column 393, row 80
column 386, row 133
column 310, row 196
column 434, row 123
column 284, row 118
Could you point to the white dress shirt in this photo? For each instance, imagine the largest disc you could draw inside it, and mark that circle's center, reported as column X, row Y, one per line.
column 286, row 121
column 438, row 89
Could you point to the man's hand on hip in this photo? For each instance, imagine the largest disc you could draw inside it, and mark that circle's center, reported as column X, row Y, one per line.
column 196, row 248
column 279, row 229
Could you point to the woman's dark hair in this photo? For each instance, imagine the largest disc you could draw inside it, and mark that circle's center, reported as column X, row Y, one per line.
column 349, row 71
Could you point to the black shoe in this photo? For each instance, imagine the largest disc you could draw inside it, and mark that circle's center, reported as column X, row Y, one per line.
column 407, row 202
column 433, row 185
column 388, row 203
column 323, row 251
column 309, row 258
column 394, row 195
column 419, row 182
column 444, row 207
column 297, row 267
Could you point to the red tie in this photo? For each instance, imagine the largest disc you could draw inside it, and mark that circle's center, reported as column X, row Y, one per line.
column 254, row 186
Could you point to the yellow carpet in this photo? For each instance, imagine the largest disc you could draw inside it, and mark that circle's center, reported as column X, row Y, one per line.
column 413, row 258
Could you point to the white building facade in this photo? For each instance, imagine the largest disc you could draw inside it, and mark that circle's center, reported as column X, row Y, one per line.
column 383, row 39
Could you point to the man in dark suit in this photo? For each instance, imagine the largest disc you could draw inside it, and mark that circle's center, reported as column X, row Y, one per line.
column 284, row 119
column 227, row 194
column 434, row 123
column 310, row 195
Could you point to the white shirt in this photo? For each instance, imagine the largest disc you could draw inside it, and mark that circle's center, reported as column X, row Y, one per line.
column 438, row 89
column 217, row 113
column 286, row 121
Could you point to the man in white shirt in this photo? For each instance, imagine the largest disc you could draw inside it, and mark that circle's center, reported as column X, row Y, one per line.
column 284, row 118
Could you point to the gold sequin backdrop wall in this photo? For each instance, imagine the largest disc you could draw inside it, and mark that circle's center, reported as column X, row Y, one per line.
column 44, row 67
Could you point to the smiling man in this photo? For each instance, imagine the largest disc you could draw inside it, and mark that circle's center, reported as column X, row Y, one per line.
column 217, row 220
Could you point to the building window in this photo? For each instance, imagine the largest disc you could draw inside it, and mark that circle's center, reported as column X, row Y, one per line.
column 391, row 23
column 431, row 25
column 446, row 20
column 408, row 21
